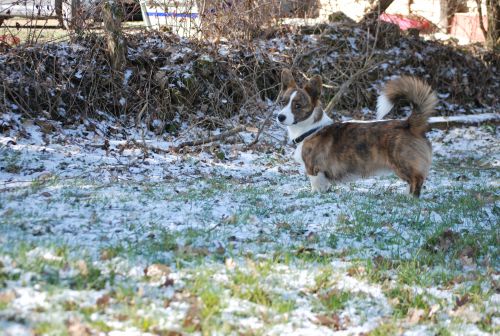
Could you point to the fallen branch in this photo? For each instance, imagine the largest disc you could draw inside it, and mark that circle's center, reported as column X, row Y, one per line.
column 261, row 128
column 213, row 138
column 142, row 146
column 146, row 148
column 465, row 120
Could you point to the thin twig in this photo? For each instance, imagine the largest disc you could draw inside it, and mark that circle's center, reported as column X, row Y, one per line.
column 261, row 128
column 266, row 120
column 345, row 86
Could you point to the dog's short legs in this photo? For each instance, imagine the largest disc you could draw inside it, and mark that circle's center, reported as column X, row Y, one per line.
column 416, row 185
column 414, row 178
column 319, row 183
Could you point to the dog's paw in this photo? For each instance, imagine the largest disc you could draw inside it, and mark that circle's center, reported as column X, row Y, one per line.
column 320, row 189
column 319, row 183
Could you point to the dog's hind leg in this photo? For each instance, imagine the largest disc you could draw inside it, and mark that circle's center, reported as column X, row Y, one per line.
column 319, row 183
column 414, row 180
column 416, row 183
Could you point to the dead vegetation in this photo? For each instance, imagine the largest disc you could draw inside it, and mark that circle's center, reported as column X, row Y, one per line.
column 167, row 79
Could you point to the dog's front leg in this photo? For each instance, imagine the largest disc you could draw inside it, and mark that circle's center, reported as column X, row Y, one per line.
column 319, row 183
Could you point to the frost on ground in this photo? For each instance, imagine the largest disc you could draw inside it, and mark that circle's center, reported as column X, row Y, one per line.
column 99, row 236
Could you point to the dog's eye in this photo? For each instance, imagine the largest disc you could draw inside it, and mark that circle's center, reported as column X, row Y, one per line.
column 297, row 105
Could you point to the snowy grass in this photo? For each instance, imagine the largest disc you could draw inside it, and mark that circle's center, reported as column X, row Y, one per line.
column 97, row 242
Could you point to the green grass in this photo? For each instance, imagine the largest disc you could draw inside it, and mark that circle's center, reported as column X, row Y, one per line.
column 50, row 329
column 12, row 162
column 291, row 253
column 4, row 305
column 334, row 300
column 442, row 331
column 100, row 325
column 385, row 329
column 94, row 279
column 404, row 299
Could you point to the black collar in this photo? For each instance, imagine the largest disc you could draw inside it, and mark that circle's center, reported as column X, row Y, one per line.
column 301, row 138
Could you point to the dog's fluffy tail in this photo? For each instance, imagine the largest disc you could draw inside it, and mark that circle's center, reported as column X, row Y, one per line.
column 414, row 90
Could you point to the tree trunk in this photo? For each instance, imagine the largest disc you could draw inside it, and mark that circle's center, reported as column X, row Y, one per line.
column 378, row 8
column 492, row 31
column 117, row 47
column 493, row 18
column 443, row 16
column 481, row 23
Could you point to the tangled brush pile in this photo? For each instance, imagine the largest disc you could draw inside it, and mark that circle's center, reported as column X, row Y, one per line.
column 168, row 78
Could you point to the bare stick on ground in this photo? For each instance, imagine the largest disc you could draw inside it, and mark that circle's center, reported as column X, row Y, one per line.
column 213, row 138
column 261, row 128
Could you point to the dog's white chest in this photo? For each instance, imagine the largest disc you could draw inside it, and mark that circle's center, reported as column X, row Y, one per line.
column 297, row 155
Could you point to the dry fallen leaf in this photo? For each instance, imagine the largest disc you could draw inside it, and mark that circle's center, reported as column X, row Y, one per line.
column 103, row 301
column 192, row 319
column 122, row 317
column 157, row 270
column 395, row 301
column 434, row 309
column 330, row 321
column 7, row 297
column 77, row 328
column 460, row 301
column 106, row 254
column 81, row 265
column 356, row 270
column 415, row 315
column 467, row 313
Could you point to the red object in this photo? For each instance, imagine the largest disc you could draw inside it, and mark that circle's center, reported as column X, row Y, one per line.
column 405, row 23
column 10, row 39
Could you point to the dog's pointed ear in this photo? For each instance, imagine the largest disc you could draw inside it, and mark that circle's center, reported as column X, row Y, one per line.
column 313, row 87
column 287, row 80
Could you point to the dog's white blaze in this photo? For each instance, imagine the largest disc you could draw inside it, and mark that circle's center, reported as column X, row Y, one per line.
column 305, row 125
column 287, row 111
column 297, row 155
column 384, row 106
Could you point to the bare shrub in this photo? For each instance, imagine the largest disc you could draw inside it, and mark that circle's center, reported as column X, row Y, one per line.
column 166, row 78
column 238, row 19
